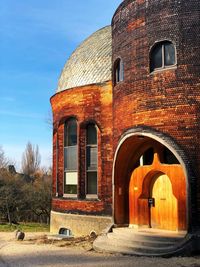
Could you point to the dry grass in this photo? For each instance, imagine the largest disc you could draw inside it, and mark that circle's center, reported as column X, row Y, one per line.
column 84, row 242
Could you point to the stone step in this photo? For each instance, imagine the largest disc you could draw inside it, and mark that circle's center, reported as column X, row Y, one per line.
column 141, row 240
column 163, row 236
column 141, row 246
column 103, row 244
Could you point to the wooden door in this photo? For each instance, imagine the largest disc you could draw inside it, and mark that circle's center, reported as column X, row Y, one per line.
column 164, row 213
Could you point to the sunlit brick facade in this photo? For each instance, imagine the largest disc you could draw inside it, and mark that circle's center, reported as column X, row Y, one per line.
column 146, row 112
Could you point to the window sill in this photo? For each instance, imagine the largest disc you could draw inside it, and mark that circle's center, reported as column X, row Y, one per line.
column 70, row 196
column 92, row 197
column 173, row 67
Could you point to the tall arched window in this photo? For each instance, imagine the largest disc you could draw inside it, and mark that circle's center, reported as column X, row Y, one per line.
column 70, row 158
column 118, row 71
column 91, row 159
column 162, row 56
column 57, row 153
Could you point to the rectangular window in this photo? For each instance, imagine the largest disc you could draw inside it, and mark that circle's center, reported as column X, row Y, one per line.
column 169, row 54
column 91, row 157
column 157, row 58
column 91, row 160
column 92, row 183
column 57, row 153
column 71, row 182
column 91, row 154
column 70, row 158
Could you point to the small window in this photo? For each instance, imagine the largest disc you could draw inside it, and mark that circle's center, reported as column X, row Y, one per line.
column 147, row 157
column 168, row 157
column 91, row 160
column 65, row 231
column 118, row 71
column 162, row 56
column 70, row 158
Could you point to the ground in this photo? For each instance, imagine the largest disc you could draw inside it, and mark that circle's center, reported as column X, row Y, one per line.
column 35, row 251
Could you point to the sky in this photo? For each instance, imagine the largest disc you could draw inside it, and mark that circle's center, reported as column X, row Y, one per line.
column 36, row 39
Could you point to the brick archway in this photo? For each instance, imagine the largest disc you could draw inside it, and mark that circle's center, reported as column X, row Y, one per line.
column 132, row 183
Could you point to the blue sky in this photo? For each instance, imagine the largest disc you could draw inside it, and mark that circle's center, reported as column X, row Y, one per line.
column 36, row 38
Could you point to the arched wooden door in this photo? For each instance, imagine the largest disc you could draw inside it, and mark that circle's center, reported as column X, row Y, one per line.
column 164, row 212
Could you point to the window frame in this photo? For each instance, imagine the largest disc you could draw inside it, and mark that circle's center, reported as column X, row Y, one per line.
column 57, row 158
column 163, row 67
column 91, row 196
column 65, row 171
column 118, row 71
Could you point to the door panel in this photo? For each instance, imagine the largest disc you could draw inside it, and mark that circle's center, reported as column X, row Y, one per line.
column 164, row 213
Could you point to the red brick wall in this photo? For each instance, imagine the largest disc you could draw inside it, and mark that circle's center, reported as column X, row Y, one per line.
column 167, row 101
column 91, row 103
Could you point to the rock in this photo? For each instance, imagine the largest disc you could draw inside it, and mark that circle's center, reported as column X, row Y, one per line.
column 16, row 232
column 20, row 235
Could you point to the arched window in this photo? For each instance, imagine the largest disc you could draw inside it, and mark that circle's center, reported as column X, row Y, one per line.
column 91, row 159
column 70, row 158
column 162, row 56
column 57, row 153
column 118, row 71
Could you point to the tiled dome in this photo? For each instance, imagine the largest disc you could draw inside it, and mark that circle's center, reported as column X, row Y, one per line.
column 90, row 63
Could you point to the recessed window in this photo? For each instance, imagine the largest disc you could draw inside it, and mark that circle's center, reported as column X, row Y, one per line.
column 65, row 231
column 70, row 158
column 91, row 159
column 147, row 157
column 57, row 153
column 118, row 71
column 168, row 157
column 162, row 56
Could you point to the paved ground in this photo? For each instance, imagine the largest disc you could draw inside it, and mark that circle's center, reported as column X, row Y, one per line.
column 27, row 254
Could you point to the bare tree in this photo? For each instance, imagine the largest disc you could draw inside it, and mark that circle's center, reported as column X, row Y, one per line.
column 31, row 159
column 3, row 159
column 49, row 119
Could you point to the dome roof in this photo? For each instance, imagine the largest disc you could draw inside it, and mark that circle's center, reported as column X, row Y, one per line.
column 90, row 63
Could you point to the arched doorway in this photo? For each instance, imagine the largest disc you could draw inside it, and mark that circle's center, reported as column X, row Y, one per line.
column 163, row 209
column 143, row 168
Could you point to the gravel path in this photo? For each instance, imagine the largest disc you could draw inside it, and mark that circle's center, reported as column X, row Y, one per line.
column 27, row 254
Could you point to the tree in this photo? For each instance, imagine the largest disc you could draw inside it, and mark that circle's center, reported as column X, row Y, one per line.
column 31, row 160
column 11, row 195
column 3, row 159
column 25, row 196
column 21, row 200
column 37, row 196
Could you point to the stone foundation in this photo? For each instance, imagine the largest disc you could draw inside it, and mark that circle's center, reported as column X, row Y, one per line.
column 79, row 224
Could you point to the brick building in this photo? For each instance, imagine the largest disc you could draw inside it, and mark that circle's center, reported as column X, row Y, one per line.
column 126, row 124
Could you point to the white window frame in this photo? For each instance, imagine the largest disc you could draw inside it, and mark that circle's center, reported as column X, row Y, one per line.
column 66, row 195
column 91, row 196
